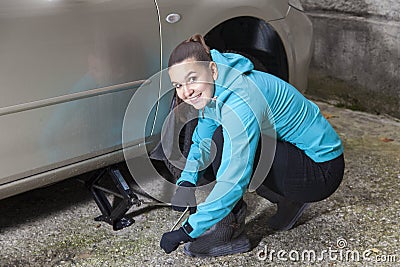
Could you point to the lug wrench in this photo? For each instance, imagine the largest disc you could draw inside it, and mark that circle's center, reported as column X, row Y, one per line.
column 180, row 219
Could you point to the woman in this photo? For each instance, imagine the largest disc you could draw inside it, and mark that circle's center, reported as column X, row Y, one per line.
column 245, row 104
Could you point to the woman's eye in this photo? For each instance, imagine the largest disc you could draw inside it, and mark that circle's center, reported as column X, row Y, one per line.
column 192, row 79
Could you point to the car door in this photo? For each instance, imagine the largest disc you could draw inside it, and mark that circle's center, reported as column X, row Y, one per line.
column 68, row 69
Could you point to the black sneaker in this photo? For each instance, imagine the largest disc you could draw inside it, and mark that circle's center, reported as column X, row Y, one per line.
column 287, row 215
column 288, row 211
column 224, row 238
column 217, row 247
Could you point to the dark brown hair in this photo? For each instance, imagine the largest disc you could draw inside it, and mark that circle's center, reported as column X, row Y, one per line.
column 194, row 47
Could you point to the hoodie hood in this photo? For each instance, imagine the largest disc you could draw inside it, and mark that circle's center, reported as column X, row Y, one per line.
column 230, row 67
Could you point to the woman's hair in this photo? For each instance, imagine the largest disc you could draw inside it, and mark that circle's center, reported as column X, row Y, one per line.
column 194, row 47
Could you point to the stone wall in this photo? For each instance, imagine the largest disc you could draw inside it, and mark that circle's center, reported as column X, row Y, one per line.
column 356, row 61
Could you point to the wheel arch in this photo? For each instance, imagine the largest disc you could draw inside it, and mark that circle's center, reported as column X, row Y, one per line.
column 255, row 38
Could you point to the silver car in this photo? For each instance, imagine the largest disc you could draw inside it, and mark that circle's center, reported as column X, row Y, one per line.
column 69, row 68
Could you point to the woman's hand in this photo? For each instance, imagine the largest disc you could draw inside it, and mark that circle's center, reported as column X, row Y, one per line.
column 170, row 241
column 184, row 197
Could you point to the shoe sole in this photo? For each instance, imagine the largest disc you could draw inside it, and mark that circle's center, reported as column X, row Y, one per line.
column 239, row 245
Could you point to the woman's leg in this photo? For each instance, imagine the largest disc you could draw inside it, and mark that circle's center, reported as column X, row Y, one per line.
column 211, row 172
column 227, row 236
column 295, row 180
column 297, row 177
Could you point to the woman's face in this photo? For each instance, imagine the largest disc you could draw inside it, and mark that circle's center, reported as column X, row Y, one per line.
column 194, row 81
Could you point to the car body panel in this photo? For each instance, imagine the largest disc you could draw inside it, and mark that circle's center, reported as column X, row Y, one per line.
column 61, row 48
column 298, row 41
column 205, row 15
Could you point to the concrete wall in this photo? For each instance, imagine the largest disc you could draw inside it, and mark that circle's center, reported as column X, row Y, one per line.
column 356, row 61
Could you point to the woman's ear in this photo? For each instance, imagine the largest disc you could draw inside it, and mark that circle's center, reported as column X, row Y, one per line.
column 214, row 70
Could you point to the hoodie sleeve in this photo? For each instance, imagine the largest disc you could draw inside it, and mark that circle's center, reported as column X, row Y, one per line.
column 198, row 157
column 241, row 133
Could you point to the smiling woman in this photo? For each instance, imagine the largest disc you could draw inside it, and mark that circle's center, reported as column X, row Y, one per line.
column 248, row 114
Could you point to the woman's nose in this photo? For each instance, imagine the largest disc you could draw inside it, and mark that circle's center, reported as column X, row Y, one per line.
column 187, row 91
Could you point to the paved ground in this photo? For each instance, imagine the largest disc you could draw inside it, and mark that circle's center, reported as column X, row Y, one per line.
column 54, row 226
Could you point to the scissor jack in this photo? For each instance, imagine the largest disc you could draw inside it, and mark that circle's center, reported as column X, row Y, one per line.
column 113, row 214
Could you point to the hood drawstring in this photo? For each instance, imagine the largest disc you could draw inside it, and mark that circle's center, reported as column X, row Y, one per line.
column 212, row 99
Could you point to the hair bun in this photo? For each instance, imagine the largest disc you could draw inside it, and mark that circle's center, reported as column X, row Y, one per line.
column 194, row 47
column 198, row 38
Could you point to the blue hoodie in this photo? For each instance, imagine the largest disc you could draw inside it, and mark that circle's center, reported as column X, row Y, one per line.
column 246, row 103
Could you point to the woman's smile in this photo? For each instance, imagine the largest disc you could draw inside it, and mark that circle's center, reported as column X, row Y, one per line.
column 194, row 99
